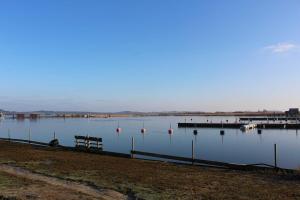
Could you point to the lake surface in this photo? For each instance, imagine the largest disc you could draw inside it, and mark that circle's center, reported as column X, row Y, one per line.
column 235, row 146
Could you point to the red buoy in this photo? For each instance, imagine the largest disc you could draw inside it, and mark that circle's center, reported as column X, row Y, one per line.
column 143, row 130
column 118, row 129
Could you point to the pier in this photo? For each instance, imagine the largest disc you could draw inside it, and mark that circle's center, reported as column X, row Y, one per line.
column 261, row 125
column 269, row 118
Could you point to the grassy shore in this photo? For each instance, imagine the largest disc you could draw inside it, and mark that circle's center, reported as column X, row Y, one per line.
column 148, row 179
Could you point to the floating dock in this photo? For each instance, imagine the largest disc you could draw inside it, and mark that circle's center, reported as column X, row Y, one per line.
column 239, row 125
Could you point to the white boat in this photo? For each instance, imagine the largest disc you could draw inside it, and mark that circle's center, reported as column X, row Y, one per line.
column 248, row 127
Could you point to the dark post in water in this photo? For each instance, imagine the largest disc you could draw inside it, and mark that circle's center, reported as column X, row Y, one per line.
column 275, row 155
column 132, row 147
column 193, row 151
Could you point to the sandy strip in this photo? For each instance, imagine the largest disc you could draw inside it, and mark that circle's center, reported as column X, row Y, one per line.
column 71, row 185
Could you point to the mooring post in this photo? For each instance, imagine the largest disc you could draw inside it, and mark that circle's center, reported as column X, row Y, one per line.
column 193, row 151
column 8, row 134
column 29, row 135
column 275, row 155
column 132, row 147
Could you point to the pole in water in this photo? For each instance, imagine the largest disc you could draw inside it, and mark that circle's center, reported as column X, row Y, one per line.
column 275, row 155
column 8, row 134
column 29, row 135
column 193, row 151
column 132, row 147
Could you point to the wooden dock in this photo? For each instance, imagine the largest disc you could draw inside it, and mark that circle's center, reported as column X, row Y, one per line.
column 239, row 125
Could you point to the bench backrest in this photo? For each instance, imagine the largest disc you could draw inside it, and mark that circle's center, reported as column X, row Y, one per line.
column 88, row 142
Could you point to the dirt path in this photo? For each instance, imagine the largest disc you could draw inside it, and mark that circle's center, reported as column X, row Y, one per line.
column 69, row 185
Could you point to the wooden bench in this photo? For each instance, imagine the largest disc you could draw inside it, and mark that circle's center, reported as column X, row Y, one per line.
column 88, row 142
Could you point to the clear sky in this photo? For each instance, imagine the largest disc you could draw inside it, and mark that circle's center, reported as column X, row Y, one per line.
column 149, row 55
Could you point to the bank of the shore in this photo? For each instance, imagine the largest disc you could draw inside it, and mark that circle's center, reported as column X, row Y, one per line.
column 148, row 179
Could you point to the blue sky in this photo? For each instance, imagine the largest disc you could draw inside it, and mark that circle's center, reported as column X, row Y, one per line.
column 149, row 55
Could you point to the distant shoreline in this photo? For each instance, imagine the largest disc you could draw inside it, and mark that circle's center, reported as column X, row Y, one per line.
column 48, row 114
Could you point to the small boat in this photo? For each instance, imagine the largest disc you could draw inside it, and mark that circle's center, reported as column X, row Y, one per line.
column 248, row 127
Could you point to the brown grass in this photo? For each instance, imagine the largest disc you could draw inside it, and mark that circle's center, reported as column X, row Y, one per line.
column 152, row 180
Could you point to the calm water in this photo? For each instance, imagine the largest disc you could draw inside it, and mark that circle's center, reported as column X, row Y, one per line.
column 235, row 146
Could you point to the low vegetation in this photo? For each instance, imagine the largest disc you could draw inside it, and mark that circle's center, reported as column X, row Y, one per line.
column 150, row 179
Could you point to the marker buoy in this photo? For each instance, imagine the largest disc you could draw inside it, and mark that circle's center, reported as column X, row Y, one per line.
column 119, row 130
column 195, row 132
column 143, row 130
column 222, row 132
column 170, row 131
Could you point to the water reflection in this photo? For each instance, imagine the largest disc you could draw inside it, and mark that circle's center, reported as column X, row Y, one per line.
column 248, row 147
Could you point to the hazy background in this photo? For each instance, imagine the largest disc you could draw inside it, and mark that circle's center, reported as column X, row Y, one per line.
column 147, row 55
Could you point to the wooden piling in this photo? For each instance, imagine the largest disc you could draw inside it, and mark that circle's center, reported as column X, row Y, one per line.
column 132, row 147
column 193, row 151
column 8, row 134
column 29, row 135
column 275, row 155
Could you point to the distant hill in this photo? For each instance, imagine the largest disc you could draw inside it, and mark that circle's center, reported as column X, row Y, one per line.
column 163, row 113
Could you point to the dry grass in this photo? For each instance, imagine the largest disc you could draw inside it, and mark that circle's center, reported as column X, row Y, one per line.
column 152, row 180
